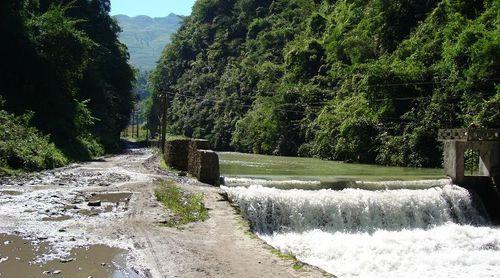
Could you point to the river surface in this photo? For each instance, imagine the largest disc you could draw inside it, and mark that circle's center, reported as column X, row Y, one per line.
column 434, row 229
column 286, row 168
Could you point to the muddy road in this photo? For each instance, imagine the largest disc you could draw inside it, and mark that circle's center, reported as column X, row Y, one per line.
column 100, row 219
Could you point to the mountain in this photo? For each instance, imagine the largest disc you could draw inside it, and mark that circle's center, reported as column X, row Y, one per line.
column 146, row 37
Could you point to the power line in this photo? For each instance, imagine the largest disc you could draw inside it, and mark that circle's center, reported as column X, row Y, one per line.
column 318, row 104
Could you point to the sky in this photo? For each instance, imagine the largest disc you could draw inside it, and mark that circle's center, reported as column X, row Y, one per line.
column 152, row 8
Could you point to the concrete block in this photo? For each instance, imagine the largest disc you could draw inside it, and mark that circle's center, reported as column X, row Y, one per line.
column 194, row 146
column 176, row 153
column 205, row 166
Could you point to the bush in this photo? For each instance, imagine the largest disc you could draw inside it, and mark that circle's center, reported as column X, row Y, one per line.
column 24, row 147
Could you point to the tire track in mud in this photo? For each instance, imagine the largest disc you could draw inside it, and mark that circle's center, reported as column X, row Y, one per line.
column 136, row 220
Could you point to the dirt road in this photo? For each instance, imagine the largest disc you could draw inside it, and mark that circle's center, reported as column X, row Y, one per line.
column 53, row 208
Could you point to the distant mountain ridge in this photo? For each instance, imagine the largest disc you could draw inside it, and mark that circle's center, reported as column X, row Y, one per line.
column 146, row 37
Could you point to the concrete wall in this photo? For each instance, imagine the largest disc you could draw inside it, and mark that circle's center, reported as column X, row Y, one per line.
column 194, row 146
column 205, row 166
column 176, row 153
column 193, row 156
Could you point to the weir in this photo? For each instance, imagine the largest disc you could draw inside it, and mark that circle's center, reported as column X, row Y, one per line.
column 431, row 232
column 485, row 183
column 425, row 228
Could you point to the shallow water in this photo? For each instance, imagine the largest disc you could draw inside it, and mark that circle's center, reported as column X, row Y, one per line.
column 10, row 192
column 22, row 258
column 112, row 197
column 434, row 231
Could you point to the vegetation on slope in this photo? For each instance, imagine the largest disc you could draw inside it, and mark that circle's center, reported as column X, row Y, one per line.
column 145, row 37
column 367, row 81
column 63, row 62
column 24, row 147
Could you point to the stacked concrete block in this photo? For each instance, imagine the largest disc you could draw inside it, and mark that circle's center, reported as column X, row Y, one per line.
column 194, row 146
column 193, row 156
column 205, row 166
column 177, row 153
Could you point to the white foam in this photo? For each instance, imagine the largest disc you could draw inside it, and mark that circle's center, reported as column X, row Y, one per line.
column 385, row 233
column 416, row 184
column 450, row 250
column 270, row 209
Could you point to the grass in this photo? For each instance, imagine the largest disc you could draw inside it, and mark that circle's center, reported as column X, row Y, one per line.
column 186, row 208
column 299, row 168
column 130, row 135
column 297, row 265
column 163, row 164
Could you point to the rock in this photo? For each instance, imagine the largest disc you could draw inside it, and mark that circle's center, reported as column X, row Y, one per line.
column 182, row 174
column 94, row 203
column 67, row 260
column 56, row 272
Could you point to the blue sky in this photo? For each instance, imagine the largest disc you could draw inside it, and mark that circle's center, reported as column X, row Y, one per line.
column 153, row 8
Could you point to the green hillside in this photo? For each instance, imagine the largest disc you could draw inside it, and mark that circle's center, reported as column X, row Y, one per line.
column 369, row 81
column 65, row 84
column 146, row 37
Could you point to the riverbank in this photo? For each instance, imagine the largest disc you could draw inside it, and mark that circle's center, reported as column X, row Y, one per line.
column 56, row 212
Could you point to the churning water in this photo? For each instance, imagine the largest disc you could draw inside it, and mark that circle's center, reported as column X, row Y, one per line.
column 434, row 231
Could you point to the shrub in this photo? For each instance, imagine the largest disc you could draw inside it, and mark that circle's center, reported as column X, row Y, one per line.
column 24, row 147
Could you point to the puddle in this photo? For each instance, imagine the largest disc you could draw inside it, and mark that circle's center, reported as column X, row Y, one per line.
column 114, row 197
column 10, row 192
column 88, row 212
column 57, row 218
column 108, row 209
column 18, row 256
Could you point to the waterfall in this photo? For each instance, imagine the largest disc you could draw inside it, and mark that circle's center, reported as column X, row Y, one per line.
column 353, row 210
column 431, row 230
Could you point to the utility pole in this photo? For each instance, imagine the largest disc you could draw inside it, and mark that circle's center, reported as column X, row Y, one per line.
column 132, row 122
column 137, row 122
column 163, row 122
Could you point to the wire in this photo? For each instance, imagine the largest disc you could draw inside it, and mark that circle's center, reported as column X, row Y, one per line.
column 318, row 104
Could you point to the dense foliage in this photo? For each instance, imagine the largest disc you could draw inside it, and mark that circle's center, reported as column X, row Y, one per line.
column 24, row 147
column 61, row 60
column 368, row 81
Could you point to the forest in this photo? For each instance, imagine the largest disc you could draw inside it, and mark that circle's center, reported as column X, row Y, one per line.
column 65, row 83
column 366, row 81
